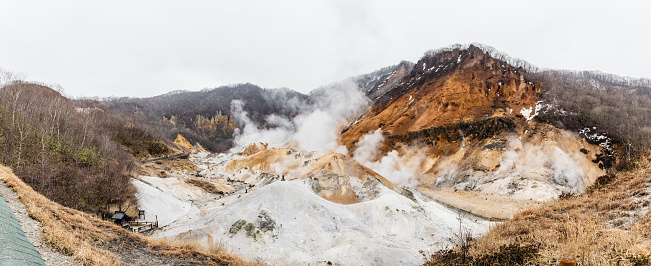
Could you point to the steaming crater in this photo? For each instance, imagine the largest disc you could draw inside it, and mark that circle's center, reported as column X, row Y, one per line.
column 288, row 206
column 513, row 169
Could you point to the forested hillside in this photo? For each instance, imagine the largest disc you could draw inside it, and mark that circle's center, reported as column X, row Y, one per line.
column 70, row 154
column 205, row 116
column 605, row 109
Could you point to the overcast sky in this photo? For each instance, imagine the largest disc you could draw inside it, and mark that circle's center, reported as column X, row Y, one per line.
column 147, row 48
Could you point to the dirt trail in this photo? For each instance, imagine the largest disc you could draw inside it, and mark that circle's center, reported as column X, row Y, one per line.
column 32, row 229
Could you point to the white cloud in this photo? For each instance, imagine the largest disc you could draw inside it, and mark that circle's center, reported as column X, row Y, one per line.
column 147, row 48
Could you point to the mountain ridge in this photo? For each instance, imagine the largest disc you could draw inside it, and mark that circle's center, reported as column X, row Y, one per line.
column 444, row 88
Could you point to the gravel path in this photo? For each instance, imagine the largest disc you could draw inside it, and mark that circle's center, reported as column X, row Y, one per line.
column 32, row 229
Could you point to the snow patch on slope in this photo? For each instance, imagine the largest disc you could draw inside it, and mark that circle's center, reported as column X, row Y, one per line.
column 531, row 112
column 603, row 140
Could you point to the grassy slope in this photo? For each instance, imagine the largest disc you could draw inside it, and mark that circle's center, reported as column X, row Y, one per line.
column 90, row 240
column 607, row 225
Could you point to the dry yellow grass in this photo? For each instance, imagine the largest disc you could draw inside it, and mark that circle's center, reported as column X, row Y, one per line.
column 598, row 227
column 89, row 239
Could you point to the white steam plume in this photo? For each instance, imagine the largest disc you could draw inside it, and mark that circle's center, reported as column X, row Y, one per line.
column 368, row 147
column 519, row 164
column 403, row 170
column 525, row 158
column 251, row 133
column 317, row 126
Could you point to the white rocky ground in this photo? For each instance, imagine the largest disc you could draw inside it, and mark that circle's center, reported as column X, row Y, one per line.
column 165, row 200
column 286, row 222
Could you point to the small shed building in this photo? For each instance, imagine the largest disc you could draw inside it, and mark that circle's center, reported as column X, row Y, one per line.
column 120, row 217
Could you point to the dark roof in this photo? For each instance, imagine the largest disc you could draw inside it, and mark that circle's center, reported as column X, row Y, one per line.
column 118, row 215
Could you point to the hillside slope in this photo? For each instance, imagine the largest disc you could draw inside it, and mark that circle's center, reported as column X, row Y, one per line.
column 608, row 224
column 444, row 89
column 62, row 151
column 91, row 241
column 206, row 116
column 464, row 120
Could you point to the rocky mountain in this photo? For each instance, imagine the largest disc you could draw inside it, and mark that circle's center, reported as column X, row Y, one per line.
column 471, row 117
column 448, row 88
column 375, row 83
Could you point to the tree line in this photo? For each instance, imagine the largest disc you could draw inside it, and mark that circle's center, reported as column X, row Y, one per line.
column 72, row 155
column 513, row 61
column 205, row 117
column 610, row 105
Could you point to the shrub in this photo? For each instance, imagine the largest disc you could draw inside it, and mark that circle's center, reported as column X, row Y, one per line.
column 512, row 254
column 60, row 151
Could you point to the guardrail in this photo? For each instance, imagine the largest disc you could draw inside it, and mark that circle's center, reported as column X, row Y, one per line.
column 170, row 157
column 140, row 227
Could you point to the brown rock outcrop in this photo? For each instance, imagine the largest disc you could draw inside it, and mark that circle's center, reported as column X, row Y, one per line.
column 447, row 88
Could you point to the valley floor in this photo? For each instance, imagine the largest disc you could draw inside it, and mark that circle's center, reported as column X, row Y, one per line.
column 286, row 222
column 490, row 207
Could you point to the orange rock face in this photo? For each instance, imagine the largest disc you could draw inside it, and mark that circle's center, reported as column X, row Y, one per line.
column 334, row 176
column 444, row 89
column 469, row 117
column 183, row 143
